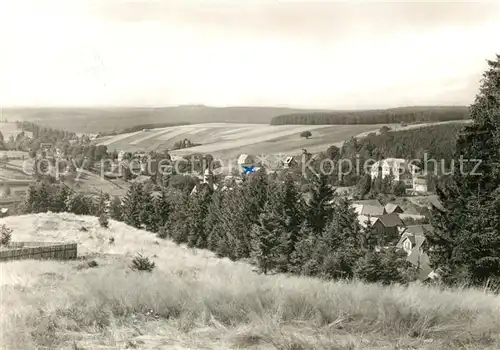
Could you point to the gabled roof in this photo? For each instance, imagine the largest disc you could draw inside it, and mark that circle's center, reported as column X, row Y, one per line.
column 416, row 235
column 418, row 258
column 391, row 207
column 370, row 207
column 372, row 210
column 243, row 158
column 418, row 229
column 141, row 179
column 390, row 220
column 372, row 202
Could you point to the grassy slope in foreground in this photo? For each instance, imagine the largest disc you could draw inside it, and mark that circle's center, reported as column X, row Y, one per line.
column 193, row 300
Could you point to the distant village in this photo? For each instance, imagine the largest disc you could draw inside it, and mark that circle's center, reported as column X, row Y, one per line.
column 404, row 218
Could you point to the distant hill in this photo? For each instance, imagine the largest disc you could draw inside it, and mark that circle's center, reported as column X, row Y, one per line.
column 93, row 120
column 377, row 116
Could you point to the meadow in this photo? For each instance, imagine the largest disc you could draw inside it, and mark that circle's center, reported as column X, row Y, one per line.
column 192, row 300
column 229, row 140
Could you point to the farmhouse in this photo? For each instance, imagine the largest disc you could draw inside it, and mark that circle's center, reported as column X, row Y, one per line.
column 245, row 160
column 401, row 169
column 412, row 241
column 388, row 226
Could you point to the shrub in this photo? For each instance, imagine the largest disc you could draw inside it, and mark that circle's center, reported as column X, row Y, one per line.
column 163, row 232
column 142, row 263
column 5, row 235
column 306, row 134
column 103, row 220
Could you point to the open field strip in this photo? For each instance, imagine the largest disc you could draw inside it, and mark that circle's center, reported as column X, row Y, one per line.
column 151, row 134
column 118, row 138
column 243, row 139
column 174, row 132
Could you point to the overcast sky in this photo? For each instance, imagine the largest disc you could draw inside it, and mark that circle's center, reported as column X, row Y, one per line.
column 273, row 53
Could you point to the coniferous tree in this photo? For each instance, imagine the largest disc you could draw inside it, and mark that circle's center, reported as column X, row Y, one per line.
column 59, row 198
column 213, row 224
column 386, row 266
column 163, row 207
column 303, row 259
column 115, row 209
column 340, row 245
column 102, row 209
column 132, row 206
column 233, row 236
column 285, row 200
column 148, row 212
column 80, row 204
column 465, row 243
column 178, row 225
column 199, row 209
column 267, row 238
column 363, row 186
column 319, row 208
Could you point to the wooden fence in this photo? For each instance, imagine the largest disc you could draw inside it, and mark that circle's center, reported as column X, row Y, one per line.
column 39, row 250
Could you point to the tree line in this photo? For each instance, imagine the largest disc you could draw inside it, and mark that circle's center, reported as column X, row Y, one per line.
column 265, row 220
column 382, row 116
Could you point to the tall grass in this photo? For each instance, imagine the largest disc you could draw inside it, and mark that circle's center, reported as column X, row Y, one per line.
column 191, row 301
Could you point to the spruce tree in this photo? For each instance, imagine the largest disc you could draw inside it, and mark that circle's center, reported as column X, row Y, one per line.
column 59, row 195
column 266, row 239
column 363, row 186
column 163, row 208
column 286, row 201
column 115, row 209
column 303, row 260
column 102, row 209
column 213, row 221
column 319, row 209
column 132, row 206
column 200, row 202
column 148, row 211
column 465, row 242
column 340, row 245
column 178, row 225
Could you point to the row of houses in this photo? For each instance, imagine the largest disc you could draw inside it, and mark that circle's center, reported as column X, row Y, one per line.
column 386, row 221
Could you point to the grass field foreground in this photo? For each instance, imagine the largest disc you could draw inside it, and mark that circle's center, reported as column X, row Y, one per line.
column 193, row 300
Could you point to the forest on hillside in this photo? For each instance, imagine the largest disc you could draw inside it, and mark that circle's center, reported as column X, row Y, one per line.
column 381, row 116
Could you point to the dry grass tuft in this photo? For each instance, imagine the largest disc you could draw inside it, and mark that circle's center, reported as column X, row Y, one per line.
column 195, row 301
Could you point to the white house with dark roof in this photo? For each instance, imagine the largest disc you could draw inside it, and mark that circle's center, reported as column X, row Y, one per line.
column 402, row 169
column 412, row 241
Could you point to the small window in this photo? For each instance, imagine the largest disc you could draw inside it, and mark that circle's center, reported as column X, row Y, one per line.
column 407, row 245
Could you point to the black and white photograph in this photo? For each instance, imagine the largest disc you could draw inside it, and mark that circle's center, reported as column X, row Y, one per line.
column 268, row 174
